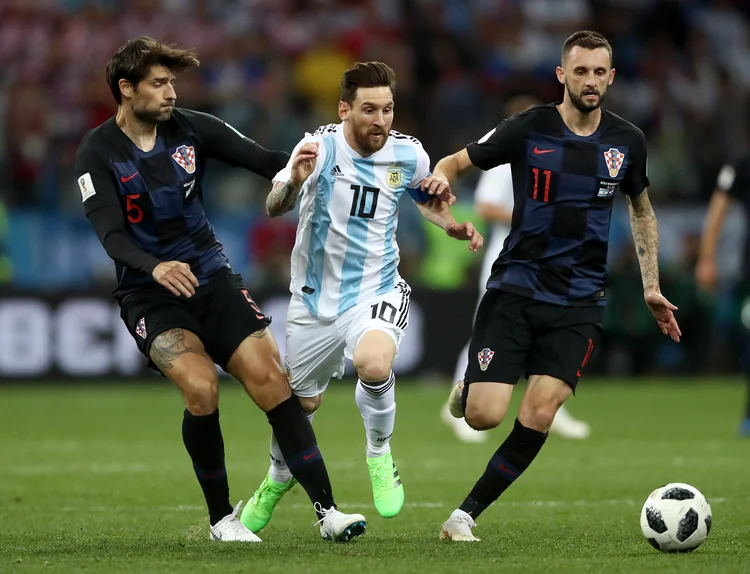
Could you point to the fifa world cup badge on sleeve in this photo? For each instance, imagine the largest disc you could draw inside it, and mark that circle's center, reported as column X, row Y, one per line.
column 185, row 157
column 86, row 186
column 485, row 356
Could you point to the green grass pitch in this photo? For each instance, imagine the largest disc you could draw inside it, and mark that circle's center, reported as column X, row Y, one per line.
column 95, row 479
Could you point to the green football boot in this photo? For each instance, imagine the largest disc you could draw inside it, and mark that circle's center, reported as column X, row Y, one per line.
column 387, row 490
column 257, row 513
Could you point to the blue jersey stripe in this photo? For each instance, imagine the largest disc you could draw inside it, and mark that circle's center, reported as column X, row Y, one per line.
column 406, row 159
column 356, row 230
column 321, row 222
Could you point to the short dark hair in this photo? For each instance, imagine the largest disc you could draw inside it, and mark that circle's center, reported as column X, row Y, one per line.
column 366, row 75
column 585, row 39
column 133, row 61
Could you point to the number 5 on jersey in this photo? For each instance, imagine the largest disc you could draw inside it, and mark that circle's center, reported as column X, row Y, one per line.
column 135, row 213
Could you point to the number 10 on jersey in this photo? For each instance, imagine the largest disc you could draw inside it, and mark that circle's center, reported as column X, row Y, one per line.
column 361, row 195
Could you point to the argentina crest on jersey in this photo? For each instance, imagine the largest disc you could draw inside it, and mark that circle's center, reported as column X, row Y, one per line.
column 185, row 157
column 614, row 159
column 393, row 177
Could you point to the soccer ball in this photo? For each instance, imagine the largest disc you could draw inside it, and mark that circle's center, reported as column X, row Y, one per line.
column 676, row 518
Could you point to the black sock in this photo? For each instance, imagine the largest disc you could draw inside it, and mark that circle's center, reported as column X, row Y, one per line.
column 506, row 465
column 205, row 445
column 298, row 444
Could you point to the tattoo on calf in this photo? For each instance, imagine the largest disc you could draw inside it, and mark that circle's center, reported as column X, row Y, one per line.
column 170, row 345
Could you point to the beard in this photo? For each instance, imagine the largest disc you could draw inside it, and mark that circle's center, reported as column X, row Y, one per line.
column 582, row 105
column 152, row 115
column 367, row 142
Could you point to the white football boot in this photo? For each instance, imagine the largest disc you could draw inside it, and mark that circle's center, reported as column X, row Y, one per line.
column 565, row 426
column 230, row 529
column 461, row 428
column 336, row 526
column 458, row 528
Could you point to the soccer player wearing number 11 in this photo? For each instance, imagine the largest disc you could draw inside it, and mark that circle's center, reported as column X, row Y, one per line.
column 347, row 297
column 541, row 316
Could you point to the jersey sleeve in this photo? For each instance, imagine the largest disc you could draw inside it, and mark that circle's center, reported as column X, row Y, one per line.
column 636, row 178
column 101, row 204
column 421, row 171
column 734, row 178
column 221, row 141
column 96, row 179
column 495, row 187
column 503, row 144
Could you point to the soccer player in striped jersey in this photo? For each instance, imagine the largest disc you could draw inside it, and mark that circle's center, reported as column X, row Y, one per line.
column 348, row 300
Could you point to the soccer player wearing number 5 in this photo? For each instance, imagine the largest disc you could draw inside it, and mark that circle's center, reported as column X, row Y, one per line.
column 348, row 300
column 140, row 175
column 542, row 314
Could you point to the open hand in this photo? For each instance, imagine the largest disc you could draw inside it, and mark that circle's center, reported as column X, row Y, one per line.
column 662, row 310
column 466, row 232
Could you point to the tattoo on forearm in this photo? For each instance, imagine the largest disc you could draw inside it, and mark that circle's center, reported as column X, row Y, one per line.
column 646, row 237
column 170, row 345
column 282, row 198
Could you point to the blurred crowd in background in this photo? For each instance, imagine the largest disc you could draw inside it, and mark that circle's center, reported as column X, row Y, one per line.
column 271, row 68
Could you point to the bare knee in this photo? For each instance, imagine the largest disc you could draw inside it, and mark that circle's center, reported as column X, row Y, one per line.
column 311, row 404
column 539, row 417
column 373, row 366
column 269, row 388
column 201, row 395
column 483, row 416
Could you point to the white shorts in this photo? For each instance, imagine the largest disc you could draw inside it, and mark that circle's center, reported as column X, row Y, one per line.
column 315, row 349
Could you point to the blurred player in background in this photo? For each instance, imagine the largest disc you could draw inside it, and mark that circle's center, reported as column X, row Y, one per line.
column 493, row 201
column 542, row 314
column 140, row 175
column 732, row 185
column 348, row 300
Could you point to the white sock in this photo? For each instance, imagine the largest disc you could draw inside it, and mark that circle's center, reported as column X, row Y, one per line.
column 378, row 407
column 279, row 471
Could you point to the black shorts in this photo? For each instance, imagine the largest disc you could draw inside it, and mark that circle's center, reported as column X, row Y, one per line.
column 221, row 313
column 517, row 336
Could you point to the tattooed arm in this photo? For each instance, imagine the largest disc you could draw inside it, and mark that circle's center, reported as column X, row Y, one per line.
column 283, row 196
column 646, row 238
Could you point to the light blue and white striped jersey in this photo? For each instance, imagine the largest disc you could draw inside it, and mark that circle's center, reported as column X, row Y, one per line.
column 346, row 250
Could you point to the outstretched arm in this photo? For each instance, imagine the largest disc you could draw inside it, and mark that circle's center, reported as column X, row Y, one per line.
column 646, row 238
column 438, row 212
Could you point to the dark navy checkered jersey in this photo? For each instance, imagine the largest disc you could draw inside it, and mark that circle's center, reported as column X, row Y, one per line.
column 159, row 193
column 564, row 185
